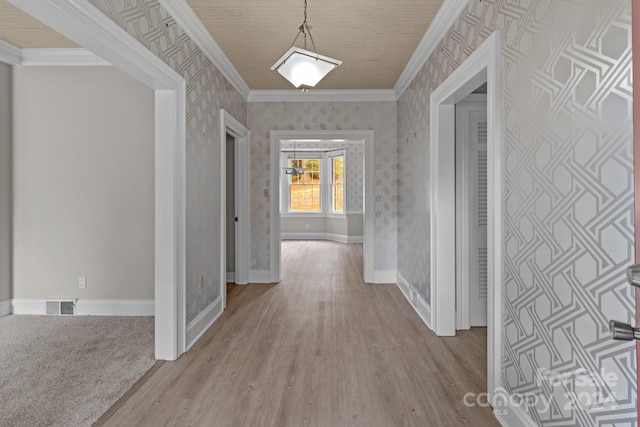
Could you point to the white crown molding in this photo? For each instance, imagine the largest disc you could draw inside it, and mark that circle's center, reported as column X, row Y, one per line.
column 337, row 95
column 83, row 23
column 9, row 54
column 191, row 24
column 61, row 57
column 444, row 19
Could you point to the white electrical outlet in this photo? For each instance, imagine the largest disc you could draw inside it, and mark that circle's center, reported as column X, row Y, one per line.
column 82, row 282
column 306, row 226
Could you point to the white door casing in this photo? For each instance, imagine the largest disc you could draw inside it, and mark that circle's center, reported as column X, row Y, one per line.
column 367, row 136
column 484, row 64
column 81, row 22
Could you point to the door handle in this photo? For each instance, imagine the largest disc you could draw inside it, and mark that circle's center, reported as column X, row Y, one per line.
column 236, row 219
column 623, row 331
column 620, row 330
column 633, row 275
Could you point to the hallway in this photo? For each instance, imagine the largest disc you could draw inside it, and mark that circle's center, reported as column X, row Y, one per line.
column 321, row 348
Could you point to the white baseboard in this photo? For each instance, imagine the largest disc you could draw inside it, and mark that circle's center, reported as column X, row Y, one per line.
column 509, row 415
column 5, row 308
column 405, row 288
column 90, row 307
column 344, row 239
column 303, row 236
column 28, row 306
column 259, row 276
column 116, row 307
column 385, row 276
column 203, row 321
column 417, row 302
column 231, row 277
column 322, row 236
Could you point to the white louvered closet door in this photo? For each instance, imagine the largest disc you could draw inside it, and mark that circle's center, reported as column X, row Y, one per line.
column 478, row 226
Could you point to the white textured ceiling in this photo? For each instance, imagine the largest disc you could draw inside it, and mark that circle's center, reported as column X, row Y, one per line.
column 374, row 39
column 22, row 31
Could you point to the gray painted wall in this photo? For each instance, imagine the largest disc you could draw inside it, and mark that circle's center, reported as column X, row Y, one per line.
column 5, row 181
column 207, row 92
column 377, row 116
column 568, row 195
column 83, row 184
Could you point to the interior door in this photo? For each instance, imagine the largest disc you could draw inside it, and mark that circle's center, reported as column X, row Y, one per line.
column 471, row 210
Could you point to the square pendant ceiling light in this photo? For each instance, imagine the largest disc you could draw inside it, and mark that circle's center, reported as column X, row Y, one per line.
column 303, row 68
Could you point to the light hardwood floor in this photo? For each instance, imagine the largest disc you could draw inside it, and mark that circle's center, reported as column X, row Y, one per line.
column 321, row 348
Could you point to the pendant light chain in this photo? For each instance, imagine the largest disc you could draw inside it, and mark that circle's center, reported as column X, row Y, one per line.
column 305, row 29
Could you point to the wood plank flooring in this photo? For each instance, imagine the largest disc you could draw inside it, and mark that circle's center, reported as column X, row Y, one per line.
column 322, row 349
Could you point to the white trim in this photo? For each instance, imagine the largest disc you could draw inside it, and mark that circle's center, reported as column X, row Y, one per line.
column 405, row 288
column 231, row 277
column 99, row 307
column 28, row 306
column 61, row 57
column 5, row 308
column 444, row 19
column 352, row 136
column 203, row 321
column 229, row 125
column 83, row 23
column 302, row 214
column 340, row 238
column 385, row 276
column 323, row 95
column 89, row 307
column 415, row 299
column 260, row 276
column 511, row 415
column 9, row 54
column 483, row 65
column 186, row 18
column 303, row 236
column 476, row 97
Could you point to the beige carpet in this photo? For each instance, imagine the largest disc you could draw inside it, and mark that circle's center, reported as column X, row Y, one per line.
column 67, row 371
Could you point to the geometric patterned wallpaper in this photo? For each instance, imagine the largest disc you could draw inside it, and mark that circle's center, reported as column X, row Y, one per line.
column 207, row 92
column 380, row 117
column 568, row 198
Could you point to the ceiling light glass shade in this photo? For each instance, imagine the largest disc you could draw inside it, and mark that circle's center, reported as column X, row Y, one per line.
column 304, row 68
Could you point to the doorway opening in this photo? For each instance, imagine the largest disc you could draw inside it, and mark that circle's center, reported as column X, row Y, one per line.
column 88, row 27
column 482, row 66
column 234, row 212
column 278, row 138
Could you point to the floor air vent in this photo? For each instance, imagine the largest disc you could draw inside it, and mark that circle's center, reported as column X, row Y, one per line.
column 61, row 307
